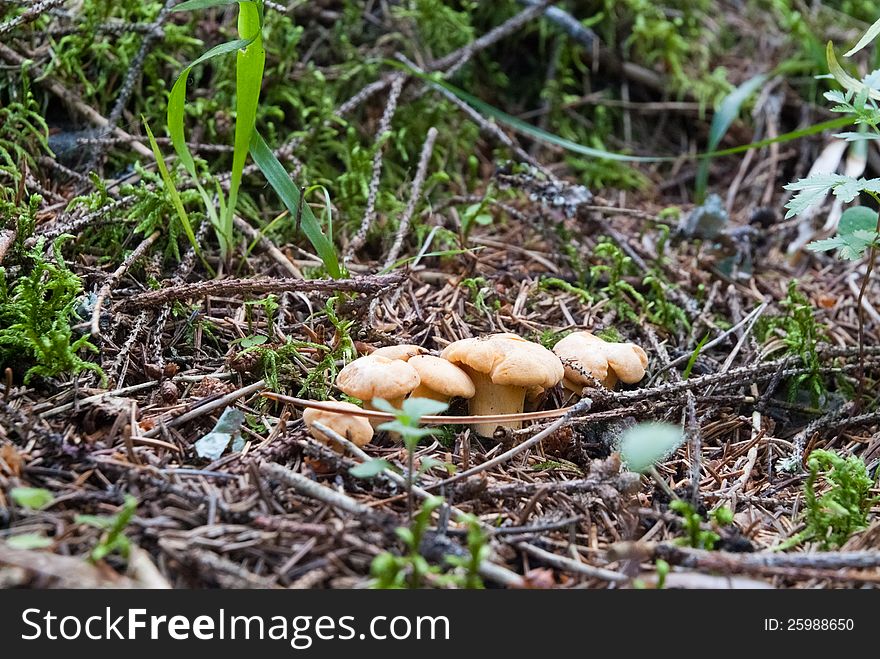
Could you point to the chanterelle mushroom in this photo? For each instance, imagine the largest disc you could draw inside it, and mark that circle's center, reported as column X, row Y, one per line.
column 356, row 429
column 585, row 355
column 378, row 377
column 404, row 352
column 503, row 367
column 440, row 379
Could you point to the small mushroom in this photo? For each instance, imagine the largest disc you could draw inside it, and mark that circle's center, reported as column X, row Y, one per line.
column 586, row 356
column 355, row 429
column 378, row 377
column 403, row 352
column 440, row 379
column 503, row 367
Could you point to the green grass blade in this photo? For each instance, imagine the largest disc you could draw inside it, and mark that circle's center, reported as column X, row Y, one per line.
column 250, row 63
column 171, row 189
column 724, row 116
column 536, row 133
column 290, row 195
column 693, row 359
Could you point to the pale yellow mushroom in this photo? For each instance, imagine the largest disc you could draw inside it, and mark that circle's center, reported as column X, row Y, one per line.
column 440, row 379
column 503, row 367
column 587, row 357
column 378, row 377
column 356, row 429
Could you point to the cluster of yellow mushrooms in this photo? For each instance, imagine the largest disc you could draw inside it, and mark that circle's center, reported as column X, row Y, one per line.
column 497, row 374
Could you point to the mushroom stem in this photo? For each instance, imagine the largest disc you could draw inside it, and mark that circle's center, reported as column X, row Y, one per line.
column 491, row 398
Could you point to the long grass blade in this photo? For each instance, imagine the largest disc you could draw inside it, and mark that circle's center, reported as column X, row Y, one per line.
column 724, row 116
column 172, row 190
column 250, row 62
column 278, row 178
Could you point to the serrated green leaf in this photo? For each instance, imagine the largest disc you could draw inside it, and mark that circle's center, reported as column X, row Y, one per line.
column 811, row 191
column 370, row 468
column 867, row 38
column 33, row 498
column 416, row 408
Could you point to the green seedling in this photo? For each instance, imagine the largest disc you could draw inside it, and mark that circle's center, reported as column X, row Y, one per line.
column 114, row 539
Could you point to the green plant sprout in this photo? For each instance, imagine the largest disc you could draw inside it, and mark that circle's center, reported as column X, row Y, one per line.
column 114, row 539
column 698, row 537
column 390, row 571
column 831, row 518
column 407, row 424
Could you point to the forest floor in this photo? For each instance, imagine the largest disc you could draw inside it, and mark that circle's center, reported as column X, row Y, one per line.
column 122, row 346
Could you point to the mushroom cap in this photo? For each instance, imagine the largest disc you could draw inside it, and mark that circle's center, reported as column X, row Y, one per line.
column 442, row 376
column 628, row 360
column 356, row 429
column 507, row 359
column 377, row 377
column 404, row 352
column 585, row 355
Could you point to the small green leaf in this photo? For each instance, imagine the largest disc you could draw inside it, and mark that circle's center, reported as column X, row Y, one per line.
column 416, row 408
column 857, row 218
column 370, row 468
column 33, row 498
column 29, row 541
column 253, row 341
column 645, row 444
column 857, row 231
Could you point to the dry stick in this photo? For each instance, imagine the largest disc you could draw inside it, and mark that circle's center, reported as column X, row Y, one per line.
column 71, row 99
column 455, row 60
column 343, row 502
column 31, row 14
column 154, row 32
column 391, row 475
column 415, row 195
column 486, row 125
column 367, row 284
column 97, row 398
column 571, row 565
column 136, row 254
column 210, row 406
column 711, row 344
column 755, row 563
column 384, row 126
